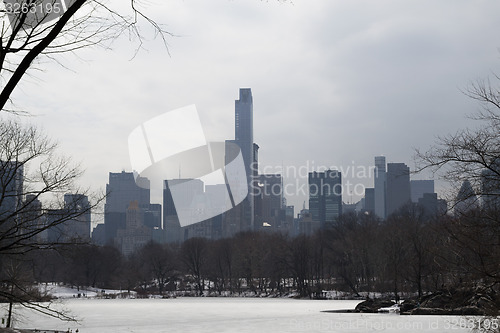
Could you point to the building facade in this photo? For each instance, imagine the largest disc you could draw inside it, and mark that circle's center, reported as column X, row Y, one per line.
column 243, row 137
column 398, row 191
column 80, row 226
column 71, row 223
column 11, row 190
column 419, row 188
column 135, row 234
column 269, row 201
column 325, row 197
column 380, row 178
column 122, row 189
column 369, row 202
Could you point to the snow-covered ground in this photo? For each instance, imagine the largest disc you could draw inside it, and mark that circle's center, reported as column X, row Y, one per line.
column 231, row 315
column 63, row 292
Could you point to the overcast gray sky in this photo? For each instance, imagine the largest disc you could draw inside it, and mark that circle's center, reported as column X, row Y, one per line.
column 334, row 82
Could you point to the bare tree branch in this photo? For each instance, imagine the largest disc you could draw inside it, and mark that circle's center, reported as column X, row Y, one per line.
column 85, row 23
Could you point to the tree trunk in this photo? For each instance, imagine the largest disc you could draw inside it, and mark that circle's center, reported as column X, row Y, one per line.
column 9, row 318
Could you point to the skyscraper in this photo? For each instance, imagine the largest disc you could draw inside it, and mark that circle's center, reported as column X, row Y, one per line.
column 429, row 203
column 243, row 133
column 466, row 200
column 11, row 197
column 380, row 186
column 369, row 204
column 123, row 189
column 325, row 196
column 490, row 186
column 419, row 188
column 171, row 223
column 269, row 200
column 243, row 125
column 11, row 189
column 33, row 216
column 80, row 226
column 77, row 228
column 186, row 200
column 398, row 187
column 135, row 234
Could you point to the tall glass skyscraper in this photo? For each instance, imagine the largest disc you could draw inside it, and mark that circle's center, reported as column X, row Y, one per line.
column 398, row 187
column 380, row 186
column 243, row 125
column 419, row 188
column 11, row 189
column 121, row 190
column 325, row 196
column 243, row 133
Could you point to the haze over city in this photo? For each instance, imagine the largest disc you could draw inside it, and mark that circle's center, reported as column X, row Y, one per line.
column 243, row 160
column 334, row 82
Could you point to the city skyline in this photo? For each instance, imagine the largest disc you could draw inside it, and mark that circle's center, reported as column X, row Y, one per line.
column 359, row 80
column 278, row 149
column 193, row 208
column 376, row 173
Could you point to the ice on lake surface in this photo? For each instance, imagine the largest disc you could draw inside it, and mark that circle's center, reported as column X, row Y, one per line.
column 230, row 315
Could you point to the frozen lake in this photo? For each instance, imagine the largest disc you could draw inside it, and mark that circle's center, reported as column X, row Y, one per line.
column 230, row 315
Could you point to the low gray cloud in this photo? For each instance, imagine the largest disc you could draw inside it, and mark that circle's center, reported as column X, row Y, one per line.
column 333, row 81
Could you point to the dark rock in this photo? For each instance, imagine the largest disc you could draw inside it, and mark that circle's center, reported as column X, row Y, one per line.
column 438, row 300
column 470, row 301
column 469, row 311
column 429, row 311
column 461, row 311
column 339, row 311
column 372, row 305
column 409, row 305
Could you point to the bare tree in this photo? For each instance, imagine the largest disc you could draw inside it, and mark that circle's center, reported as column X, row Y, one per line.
column 41, row 29
column 470, row 154
column 160, row 263
column 473, row 155
column 418, row 239
column 221, row 260
column 299, row 253
column 194, row 254
column 33, row 184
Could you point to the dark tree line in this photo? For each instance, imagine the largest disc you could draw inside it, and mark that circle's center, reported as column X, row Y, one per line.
column 406, row 254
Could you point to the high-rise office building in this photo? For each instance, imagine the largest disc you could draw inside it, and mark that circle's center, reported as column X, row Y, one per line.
column 33, row 216
column 11, row 197
column 419, row 188
column 80, row 226
column 398, row 191
column 65, row 229
column 429, row 204
column 269, row 200
column 466, row 199
column 369, row 203
column 152, row 216
column 135, row 234
column 186, row 200
column 11, row 190
column 243, row 129
column 243, row 132
column 171, row 223
column 490, row 187
column 189, row 201
column 380, row 178
column 121, row 190
column 325, row 196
